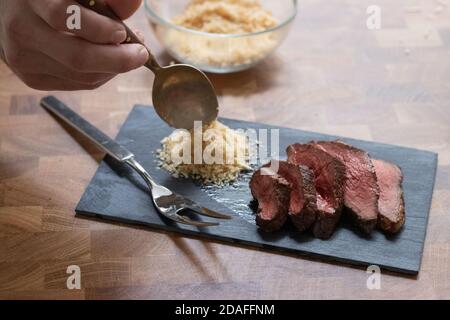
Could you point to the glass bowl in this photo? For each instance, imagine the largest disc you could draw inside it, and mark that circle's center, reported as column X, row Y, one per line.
column 213, row 52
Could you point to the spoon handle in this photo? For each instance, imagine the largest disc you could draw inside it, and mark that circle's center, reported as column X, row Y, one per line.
column 100, row 7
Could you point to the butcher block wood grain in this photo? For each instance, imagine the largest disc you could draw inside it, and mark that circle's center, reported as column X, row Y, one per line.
column 332, row 75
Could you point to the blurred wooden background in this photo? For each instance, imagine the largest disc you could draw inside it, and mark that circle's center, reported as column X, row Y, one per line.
column 332, row 75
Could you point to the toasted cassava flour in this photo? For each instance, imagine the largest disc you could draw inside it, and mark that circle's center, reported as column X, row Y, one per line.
column 213, row 154
column 223, row 17
column 226, row 16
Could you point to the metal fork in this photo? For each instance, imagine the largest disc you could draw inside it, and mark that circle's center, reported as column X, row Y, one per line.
column 168, row 203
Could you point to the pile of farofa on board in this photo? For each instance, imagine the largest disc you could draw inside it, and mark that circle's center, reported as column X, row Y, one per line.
column 229, row 146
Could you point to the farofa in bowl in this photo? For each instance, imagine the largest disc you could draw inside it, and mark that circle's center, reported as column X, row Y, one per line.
column 226, row 16
column 223, row 35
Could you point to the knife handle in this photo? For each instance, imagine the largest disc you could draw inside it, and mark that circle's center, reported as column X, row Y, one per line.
column 104, row 142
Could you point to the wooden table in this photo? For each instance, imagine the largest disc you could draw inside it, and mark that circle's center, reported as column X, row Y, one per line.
column 332, row 75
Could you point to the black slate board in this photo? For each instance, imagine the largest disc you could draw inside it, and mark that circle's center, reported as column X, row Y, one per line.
column 117, row 193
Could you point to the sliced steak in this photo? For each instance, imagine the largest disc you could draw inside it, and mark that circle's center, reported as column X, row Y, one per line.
column 302, row 204
column 329, row 176
column 272, row 192
column 361, row 191
column 391, row 203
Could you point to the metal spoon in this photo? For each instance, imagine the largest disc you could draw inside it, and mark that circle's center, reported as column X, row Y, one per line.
column 182, row 93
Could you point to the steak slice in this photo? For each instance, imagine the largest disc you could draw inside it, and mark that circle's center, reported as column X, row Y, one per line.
column 272, row 193
column 329, row 176
column 391, row 203
column 302, row 204
column 361, row 191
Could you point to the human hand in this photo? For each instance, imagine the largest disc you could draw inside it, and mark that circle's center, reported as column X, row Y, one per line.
column 38, row 47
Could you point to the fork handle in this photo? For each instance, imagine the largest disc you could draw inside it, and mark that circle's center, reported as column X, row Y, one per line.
column 142, row 172
column 105, row 143
column 115, row 150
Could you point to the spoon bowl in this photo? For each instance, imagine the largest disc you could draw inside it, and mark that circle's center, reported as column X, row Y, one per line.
column 183, row 94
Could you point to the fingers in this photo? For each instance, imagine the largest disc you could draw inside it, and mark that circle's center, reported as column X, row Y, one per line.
column 79, row 55
column 124, row 8
column 82, row 56
column 34, row 63
column 93, row 27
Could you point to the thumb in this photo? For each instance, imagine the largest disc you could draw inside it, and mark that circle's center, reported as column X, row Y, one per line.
column 124, row 8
